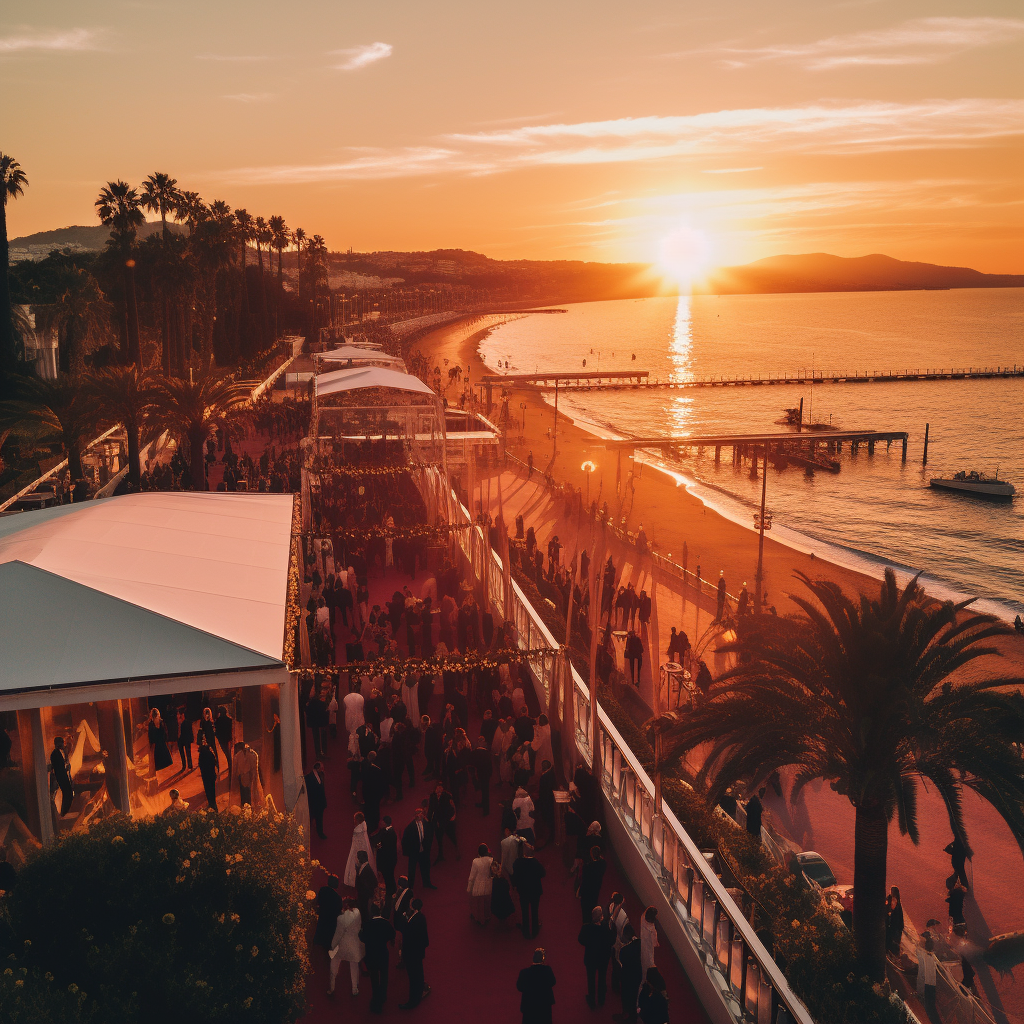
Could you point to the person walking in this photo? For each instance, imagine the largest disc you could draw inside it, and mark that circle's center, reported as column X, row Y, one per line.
column 61, row 767
column 596, row 937
column 346, row 946
column 416, row 842
column 648, row 940
column 617, row 921
column 385, row 842
column 529, row 466
column 479, row 886
column 591, row 877
column 652, row 1003
column 375, row 788
column 360, row 843
column 893, row 922
column 720, row 611
column 186, row 737
column 247, row 770
column 329, row 905
column 537, row 985
column 414, row 948
column 224, row 730
column 159, row 755
column 527, row 877
column 755, row 810
column 958, row 854
column 366, row 884
column 377, row 935
column 208, row 729
column 634, row 653
column 208, row 770
column 441, row 814
column 631, row 976
column 502, row 906
column 927, row 977
column 316, row 796
column 955, row 899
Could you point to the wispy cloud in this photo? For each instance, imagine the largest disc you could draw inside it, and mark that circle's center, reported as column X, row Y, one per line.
column 921, row 41
column 56, row 41
column 868, row 127
column 239, row 58
column 730, row 170
column 357, row 57
column 250, row 97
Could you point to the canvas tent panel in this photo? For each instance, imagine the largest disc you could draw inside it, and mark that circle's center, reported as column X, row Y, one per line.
column 338, row 381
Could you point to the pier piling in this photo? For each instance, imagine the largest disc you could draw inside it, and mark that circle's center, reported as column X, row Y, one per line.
column 904, row 449
column 924, row 457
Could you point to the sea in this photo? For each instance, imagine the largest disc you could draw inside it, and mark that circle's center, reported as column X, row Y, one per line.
column 877, row 511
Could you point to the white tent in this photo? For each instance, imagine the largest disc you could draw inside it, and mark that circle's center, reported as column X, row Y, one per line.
column 337, row 381
column 360, row 357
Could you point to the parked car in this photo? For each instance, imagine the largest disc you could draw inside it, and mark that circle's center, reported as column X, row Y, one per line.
column 841, row 896
column 816, row 869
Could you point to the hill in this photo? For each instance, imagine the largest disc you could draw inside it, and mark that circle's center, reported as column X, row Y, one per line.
column 79, row 237
column 820, row 272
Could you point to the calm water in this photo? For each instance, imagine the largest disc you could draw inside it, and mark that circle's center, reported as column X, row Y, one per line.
column 878, row 510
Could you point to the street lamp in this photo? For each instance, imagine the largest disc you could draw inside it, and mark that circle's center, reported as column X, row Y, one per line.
column 588, row 467
column 763, row 521
column 522, row 405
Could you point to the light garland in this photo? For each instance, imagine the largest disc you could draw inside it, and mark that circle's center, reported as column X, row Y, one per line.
column 453, row 662
column 295, row 570
column 401, row 533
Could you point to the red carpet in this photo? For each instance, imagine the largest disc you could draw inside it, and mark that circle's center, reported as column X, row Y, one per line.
column 472, row 971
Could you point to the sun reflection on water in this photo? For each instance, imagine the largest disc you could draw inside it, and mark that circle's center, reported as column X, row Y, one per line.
column 680, row 356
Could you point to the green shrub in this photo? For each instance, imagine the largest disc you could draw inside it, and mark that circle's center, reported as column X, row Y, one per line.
column 182, row 917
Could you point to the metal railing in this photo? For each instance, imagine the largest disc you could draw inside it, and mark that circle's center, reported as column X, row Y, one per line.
column 748, row 979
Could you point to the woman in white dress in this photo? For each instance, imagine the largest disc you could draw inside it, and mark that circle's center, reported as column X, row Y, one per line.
column 479, row 886
column 346, row 945
column 648, row 940
column 360, row 841
column 541, row 744
column 410, row 695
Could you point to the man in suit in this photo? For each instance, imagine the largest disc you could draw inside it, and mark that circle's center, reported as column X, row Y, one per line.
column 631, row 975
column 386, row 841
column 537, row 984
column 414, row 949
column 62, row 774
column 374, row 789
column 482, row 767
column 441, row 814
column 316, row 796
column 526, row 877
column 416, row 842
column 401, row 909
column 366, row 884
column 591, row 877
column 377, row 935
column 186, row 737
column 596, row 938
column 224, row 730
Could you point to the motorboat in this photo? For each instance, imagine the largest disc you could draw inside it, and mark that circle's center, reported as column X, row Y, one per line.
column 977, row 485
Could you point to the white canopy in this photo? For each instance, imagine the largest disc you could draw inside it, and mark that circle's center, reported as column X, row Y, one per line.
column 337, row 381
column 156, row 583
column 361, row 357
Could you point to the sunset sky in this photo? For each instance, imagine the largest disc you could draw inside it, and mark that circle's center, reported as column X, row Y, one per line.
column 723, row 132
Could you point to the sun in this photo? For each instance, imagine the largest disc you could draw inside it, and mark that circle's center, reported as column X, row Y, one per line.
column 684, row 255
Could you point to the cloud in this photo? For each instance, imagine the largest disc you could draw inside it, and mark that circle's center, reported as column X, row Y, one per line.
column 360, row 56
column 867, row 127
column 58, row 41
column 244, row 58
column 730, row 170
column 920, row 41
column 250, row 97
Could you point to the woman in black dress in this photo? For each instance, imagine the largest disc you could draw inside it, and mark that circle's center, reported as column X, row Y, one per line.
column 502, row 906
column 159, row 755
column 209, row 729
column 208, row 770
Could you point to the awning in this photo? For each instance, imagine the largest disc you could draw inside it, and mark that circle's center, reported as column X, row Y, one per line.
column 361, row 357
column 337, row 381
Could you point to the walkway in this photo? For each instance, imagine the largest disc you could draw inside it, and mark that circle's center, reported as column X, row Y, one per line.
column 472, row 971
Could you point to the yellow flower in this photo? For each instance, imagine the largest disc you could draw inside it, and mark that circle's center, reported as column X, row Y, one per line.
column 19, row 983
column 247, row 1002
column 186, row 863
column 117, row 839
column 235, row 918
column 214, row 832
column 168, row 919
column 310, row 895
column 170, row 831
column 136, row 857
column 796, row 923
column 238, row 948
column 254, row 951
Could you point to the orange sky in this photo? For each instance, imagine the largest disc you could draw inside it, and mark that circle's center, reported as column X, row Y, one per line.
column 577, row 130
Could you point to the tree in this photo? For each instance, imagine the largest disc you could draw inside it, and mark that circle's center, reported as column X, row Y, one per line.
column 13, row 183
column 263, row 236
column 868, row 697
column 119, row 206
column 245, row 227
column 80, row 314
column 127, row 396
column 280, row 241
column 66, row 412
column 298, row 237
column 316, row 272
column 190, row 409
column 160, row 194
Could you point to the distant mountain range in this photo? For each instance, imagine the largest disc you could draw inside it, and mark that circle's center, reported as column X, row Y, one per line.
column 577, row 281
column 820, row 272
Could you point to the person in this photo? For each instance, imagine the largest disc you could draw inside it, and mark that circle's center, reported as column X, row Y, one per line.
column 385, row 842
column 634, row 653
column 755, row 809
column 479, row 886
column 529, row 466
column 360, row 842
column 353, row 702
column 893, row 921
column 537, row 984
column 366, row 884
column 345, row 946
column 955, row 899
column 401, row 908
column 720, row 611
column 61, row 767
column 246, row 767
column 965, row 966
column 176, row 804
column 522, row 807
column 159, row 755
column 416, row 842
column 742, row 600
column 527, row 876
column 328, row 907
column 648, row 940
column 441, row 814
column 375, row 788
column 926, row 976
column 596, row 937
column 631, row 975
column 591, row 876
column 652, row 1003
column 316, row 796
column 511, row 847
column 224, row 730
column 206, row 727
column 414, row 948
column 377, row 935
column 541, row 742
column 957, row 851
column 433, row 746
column 617, row 921
column 186, row 737
column 502, row 906
column 208, row 770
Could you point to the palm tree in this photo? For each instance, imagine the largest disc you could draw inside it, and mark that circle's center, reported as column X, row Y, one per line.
column 316, row 270
column 62, row 407
column 190, row 409
column 245, row 227
column 119, row 206
column 869, row 697
column 280, row 241
column 13, row 182
column 80, row 315
column 160, row 194
column 192, row 210
column 128, row 396
column 263, row 235
column 298, row 237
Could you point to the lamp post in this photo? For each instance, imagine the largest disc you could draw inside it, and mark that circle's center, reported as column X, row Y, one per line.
column 588, row 467
column 522, row 405
column 763, row 523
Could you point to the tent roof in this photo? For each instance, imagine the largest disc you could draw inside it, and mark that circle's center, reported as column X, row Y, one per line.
column 357, row 354
column 337, row 381
column 124, row 581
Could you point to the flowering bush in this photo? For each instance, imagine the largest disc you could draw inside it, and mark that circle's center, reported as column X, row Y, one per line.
column 179, row 917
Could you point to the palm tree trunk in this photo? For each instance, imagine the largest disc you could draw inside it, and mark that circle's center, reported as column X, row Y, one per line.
column 197, row 458
column 132, row 311
column 75, row 462
column 165, row 337
column 8, row 352
column 871, row 842
column 134, row 458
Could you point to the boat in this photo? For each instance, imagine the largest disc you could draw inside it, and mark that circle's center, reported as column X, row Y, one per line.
column 977, row 485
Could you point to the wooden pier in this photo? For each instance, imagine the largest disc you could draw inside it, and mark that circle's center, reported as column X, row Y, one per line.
column 630, row 380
